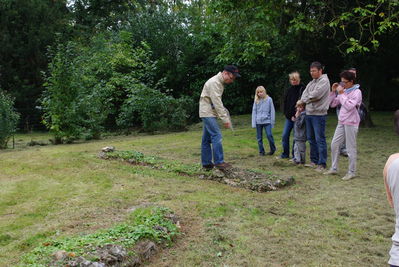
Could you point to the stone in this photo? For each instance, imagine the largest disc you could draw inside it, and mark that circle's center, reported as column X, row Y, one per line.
column 60, row 255
column 108, row 149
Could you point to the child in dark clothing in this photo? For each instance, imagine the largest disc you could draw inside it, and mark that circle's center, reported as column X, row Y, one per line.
column 299, row 133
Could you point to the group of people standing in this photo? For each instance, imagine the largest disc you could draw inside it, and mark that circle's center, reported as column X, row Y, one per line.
column 305, row 110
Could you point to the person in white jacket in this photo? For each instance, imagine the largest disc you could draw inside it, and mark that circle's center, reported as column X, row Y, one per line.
column 210, row 108
column 391, row 181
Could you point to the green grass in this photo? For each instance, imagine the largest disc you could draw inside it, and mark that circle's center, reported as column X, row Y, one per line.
column 51, row 192
column 141, row 225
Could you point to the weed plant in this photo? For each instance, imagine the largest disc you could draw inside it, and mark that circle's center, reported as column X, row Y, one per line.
column 143, row 223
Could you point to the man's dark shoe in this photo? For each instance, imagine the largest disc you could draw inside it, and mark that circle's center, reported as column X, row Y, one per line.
column 208, row 167
column 261, row 154
column 270, row 153
column 223, row 166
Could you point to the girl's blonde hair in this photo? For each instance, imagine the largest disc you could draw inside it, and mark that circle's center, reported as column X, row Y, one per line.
column 258, row 89
column 294, row 76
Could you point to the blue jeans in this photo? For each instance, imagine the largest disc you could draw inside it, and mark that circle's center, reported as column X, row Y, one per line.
column 211, row 135
column 269, row 135
column 288, row 126
column 315, row 133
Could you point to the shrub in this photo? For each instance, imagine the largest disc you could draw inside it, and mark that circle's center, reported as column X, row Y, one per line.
column 153, row 110
column 8, row 119
column 87, row 85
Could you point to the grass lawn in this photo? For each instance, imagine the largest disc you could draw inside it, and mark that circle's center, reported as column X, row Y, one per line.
column 52, row 191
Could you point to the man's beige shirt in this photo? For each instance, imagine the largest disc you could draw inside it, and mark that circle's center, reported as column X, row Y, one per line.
column 210, row 104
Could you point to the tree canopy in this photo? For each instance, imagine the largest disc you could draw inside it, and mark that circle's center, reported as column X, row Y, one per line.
column 101, row 48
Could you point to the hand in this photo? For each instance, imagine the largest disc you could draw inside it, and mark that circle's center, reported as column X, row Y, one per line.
column 293, row 118
column 340, row 89
column 227, row 125
column 334, row 87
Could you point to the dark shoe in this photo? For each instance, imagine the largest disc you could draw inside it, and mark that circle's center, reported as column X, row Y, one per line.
column 270, row 153
column 261, row 154
column 223, row 166
column 208, row 167
column 281, row 157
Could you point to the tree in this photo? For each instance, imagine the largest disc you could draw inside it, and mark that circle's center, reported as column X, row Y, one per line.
column 8, row 119
column 27, row 28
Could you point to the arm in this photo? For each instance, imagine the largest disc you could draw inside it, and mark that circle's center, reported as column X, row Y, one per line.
column 254, row 115
column 304, row 96
column 215, row 94
column 334, row 101
column 272, row 113
column 322, row 87
column 385, row 173
column 300, row 121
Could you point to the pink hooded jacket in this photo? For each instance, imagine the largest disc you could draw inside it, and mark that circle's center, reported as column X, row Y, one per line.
column 350, row 102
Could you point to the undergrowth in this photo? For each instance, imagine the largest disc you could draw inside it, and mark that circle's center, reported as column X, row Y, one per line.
column 143, row 223
column 136, row 157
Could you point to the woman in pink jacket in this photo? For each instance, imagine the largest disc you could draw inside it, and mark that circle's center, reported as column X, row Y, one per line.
column 348, row 94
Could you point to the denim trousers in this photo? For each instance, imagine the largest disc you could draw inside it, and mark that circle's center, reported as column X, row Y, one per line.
column 288, row 127
column 211, row 135
column 269, row 135
column 315, row 133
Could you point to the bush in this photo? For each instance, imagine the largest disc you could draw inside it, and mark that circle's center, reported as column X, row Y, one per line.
column 8, row 119
column 153, row 110
column 87, row 85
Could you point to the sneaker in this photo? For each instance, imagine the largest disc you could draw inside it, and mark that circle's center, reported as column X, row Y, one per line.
column 320, row 168
column 270, row 153
column 348, row 176
column 311, row 165
column 223, row 166
column 261, row 154
column 207, row 167
column 330, row 172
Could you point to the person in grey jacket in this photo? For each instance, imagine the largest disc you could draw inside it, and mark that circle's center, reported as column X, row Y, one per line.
column 263, row 117
column 210, row 108
column 316, row 98
column 299, row 133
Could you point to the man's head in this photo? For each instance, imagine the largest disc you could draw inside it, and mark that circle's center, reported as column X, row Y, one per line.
column 230, row 72
column 316, row 70
column 347, row 78
column 396, row 121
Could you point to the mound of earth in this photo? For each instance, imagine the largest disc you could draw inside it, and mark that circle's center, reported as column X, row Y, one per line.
column 233, row 176
column 251, row 180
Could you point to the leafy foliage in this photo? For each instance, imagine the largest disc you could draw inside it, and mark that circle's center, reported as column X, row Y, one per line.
column 154, row 109
column 143, row 223
column 113, row 50
column 8, row 119
column 88, row 88
column 27, row 29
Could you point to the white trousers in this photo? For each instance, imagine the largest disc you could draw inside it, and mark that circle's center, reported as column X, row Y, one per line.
column 345, row 133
